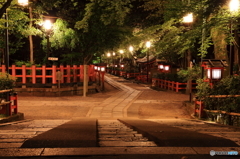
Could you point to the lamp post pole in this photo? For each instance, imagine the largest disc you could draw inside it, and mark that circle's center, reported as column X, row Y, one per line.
column 148, row 45
column 189, row 19
column 6, row 61
column 233, row 7
column 47, row 25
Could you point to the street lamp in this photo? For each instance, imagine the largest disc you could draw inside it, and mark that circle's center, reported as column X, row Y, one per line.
column 233, row 7
column 23, row 2
column 189, row 19
column 48, row 26
column 6, row 56
column 148, row 45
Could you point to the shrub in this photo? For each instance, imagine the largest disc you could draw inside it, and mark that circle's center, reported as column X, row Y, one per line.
column 6, row 81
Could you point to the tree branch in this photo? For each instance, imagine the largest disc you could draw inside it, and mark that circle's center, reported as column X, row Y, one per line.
column 4, row 7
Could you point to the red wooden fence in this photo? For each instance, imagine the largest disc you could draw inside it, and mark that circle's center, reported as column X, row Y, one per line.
column 69, row 73
column 170, row 85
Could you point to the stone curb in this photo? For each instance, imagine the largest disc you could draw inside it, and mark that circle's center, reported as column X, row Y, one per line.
column 15, row 117
column 22, row 152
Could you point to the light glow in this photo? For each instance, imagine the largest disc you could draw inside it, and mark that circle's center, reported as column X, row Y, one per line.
column 161, row 66
column 148, row 44
column 102, row 69
column 188, row 18
column 23, row 2
column 121, row 51
column 47, row 24
column 166, row 68
column 234, row 5
column 216, row 74
column 130, row 48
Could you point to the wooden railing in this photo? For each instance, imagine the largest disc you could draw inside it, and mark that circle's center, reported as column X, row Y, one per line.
column 170, row 85
column 10, row 105
column 200, row 111
column 34, row 74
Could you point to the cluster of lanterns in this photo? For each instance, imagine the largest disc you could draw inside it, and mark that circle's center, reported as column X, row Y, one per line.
column 100, row 68
column 163, row 68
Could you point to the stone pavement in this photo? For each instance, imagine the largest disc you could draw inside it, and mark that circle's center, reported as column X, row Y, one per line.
column 159, row 115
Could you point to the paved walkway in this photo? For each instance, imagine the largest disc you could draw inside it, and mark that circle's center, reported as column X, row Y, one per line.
column 131, row 103
column 115, row 106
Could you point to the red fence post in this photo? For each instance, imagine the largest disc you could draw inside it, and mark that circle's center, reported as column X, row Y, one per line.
column 3, row 69
column 74, row 73
column 68, row 74
column 14, row 104
column 33, row 74
column 81, row 73
column 62, row 71
column 14, row 70
column 43, row 74
column 54, row 71
column 177, row 86
column 24, row 74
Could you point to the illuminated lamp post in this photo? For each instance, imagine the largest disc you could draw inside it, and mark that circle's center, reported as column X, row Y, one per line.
column 148, row 45
column 47, row 26
column 6, row 52
column 121, row 53
column 233, row 7
column 102, row 70
column 189, row 19
column 23, row 2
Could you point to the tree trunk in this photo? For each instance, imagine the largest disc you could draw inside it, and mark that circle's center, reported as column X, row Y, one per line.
column 30, row 36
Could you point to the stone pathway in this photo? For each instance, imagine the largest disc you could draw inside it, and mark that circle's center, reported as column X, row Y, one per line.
column 15, row 134
column 210, row 128
column 116, row 105
column 113, row 133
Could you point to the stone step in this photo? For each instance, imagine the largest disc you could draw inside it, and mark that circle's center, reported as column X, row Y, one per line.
column 126, row 144
column 113, row 133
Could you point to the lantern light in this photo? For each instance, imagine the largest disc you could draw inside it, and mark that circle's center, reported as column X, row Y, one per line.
column 115, row 65
column 121, row 51
column 216, row 73
column 47, row 24
column 23, row 2
column 130, row 48
column 122, row 65
column 99, row 68
column 234, row 6
column 95, row 67
column 148, row 44
column 188, row 18
column 166, row 67
column 103, row 69
column 108, row 54
column 161, row 66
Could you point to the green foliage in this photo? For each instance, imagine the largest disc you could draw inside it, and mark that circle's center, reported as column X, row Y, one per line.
column 27, row 63
column 169, row 76
column 227, row 86
column 6, row 81
column 194, row 73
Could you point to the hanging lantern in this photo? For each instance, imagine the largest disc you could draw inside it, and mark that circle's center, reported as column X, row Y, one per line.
column 214, row 73
column 102, row 68
column 160, row 66
column 166, row 68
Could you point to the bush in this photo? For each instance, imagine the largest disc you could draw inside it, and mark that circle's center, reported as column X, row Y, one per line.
column 169, row 76
column 227, row 86
column 6, row 81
